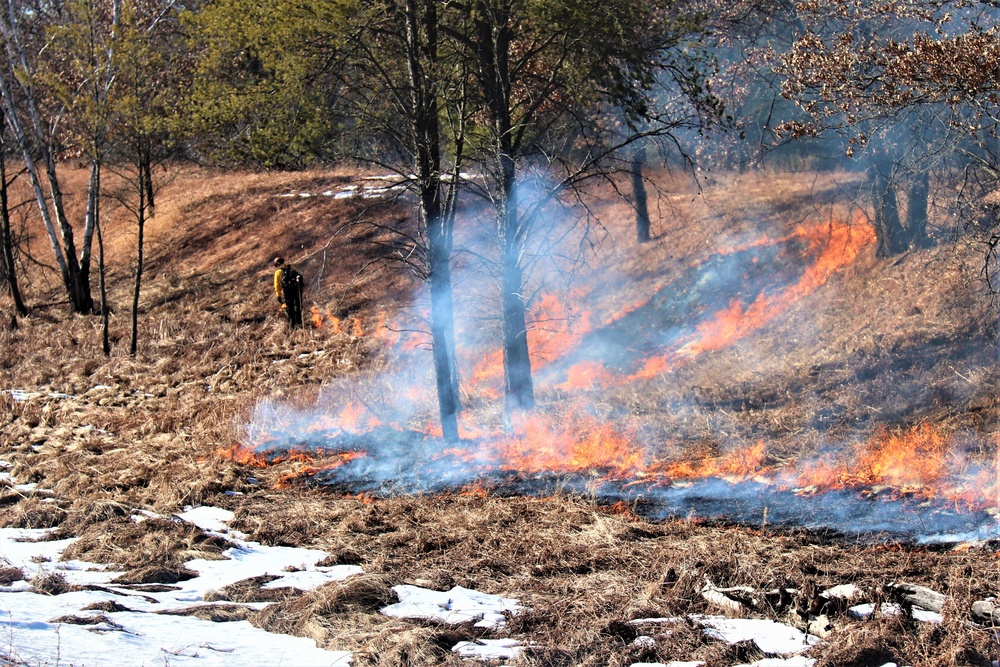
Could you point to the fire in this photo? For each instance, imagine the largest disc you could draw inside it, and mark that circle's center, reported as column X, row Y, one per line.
column 353, row 327
column 834, row 246
column 327, row 462
column 540, row 444
column 920, row 461
column 557, row 325
column 587, row 375
column 356, row 418
column 243, row 455
column 741, row 463
column 654, row 367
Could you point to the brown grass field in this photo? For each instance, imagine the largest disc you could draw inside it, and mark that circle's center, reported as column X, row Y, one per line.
column 884, row 347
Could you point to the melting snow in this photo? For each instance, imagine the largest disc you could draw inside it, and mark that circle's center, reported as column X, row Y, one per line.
column 459, row 605
column 797, row 661
column 770, row 637
column 866, row 611
column 32, row 628
column 20, row 395
column 489, row 649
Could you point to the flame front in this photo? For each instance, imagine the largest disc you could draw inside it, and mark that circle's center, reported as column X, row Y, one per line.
column 921, row 461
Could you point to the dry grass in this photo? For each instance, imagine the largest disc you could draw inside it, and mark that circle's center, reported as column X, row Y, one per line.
column 903, row 343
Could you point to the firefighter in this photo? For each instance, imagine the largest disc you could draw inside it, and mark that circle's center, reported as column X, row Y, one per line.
column 288, row 285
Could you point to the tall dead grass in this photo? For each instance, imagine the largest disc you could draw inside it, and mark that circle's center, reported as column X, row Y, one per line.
column 146, row 433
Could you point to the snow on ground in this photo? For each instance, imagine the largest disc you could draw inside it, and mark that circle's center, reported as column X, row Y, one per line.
column 770, row 637
column 67, row 629
column 489, row 649
column 459, row 605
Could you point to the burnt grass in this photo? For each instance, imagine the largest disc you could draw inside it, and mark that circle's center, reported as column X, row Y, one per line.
column 891, row 344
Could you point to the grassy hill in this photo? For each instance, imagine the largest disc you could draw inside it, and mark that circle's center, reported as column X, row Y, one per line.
column 756, row 339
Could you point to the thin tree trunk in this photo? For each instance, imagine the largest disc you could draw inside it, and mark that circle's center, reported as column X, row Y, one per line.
column 519, row 391
column 494, row 35
column 916, row 211
column 639, row 199
column 75, row 273
column 6, row 236
column 105, row 308
column 143, row 174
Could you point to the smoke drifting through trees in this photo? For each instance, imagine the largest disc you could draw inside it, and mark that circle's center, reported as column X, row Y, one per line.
column 514, row 91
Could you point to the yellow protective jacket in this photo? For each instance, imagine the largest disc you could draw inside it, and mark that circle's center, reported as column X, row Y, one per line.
column 277, row 279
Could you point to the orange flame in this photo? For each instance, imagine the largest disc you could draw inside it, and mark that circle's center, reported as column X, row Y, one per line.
column 243, row 455
column 834, row 246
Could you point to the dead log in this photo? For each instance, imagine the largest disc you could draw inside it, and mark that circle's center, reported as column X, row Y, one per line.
column 986, row 611
column 917, row 596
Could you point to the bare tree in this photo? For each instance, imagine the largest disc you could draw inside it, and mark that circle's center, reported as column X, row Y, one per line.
column 545, row 76
column 35, row 116
column 8, row 245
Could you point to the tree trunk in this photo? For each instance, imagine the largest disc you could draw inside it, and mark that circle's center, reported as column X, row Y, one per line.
column 916, row 211
column 519, row 392
column 105, row 311
column 494, row 34
column 7, row 262
column 144, row 173
column 889, row 231
column 75, row 273
column 639, row 200
column 421, row 40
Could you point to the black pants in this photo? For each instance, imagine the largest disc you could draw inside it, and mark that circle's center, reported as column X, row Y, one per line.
column 293, row 306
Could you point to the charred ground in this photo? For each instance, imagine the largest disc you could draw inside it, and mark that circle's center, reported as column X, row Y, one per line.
column 897, row 344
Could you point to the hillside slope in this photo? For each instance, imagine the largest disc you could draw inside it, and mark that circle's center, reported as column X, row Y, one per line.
column 756, row 338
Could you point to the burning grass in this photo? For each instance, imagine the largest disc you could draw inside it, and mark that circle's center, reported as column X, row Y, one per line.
column 844, row 377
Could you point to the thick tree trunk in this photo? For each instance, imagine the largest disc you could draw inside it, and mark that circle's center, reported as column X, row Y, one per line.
column 916, row 211
column 889, row 233
column 639, row 199
column 421, row 38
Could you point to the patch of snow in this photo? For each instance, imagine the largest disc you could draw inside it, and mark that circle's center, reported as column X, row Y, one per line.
column 925, row 616
column 651, row 621
column 644, row 641
column 146, row 639
column 770, row 637
column 307, row 580
column 459, row 605
column 144, row 635
column 842, row 592
column 6, row 464
column 865, row 611
column 797, row 661
column 21, row 586
column 207, row 518
column 489, row 649
column 20, row 395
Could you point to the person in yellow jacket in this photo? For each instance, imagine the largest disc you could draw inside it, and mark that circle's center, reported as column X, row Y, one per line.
column 288, row 286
